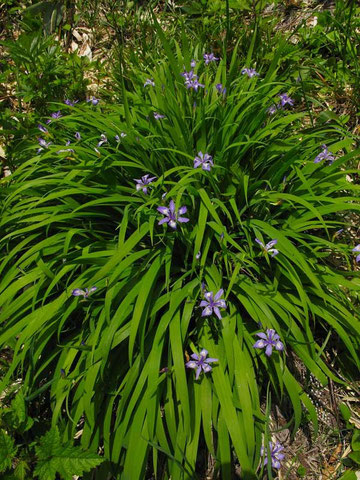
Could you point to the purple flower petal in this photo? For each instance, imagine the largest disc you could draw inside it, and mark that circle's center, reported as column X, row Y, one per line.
column 204, row 303
column 207, row 311
column 163, row 210
column 270, row 244
column 206, row 368
column 268, row 350
column 209, row 296
column 259, row 344
column 77, row 292
column 191, row 364
column 172, row 206
column 182, row 210
column 219, row 294
column 262, row 335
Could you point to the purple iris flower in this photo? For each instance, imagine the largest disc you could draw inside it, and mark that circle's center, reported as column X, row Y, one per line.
column 77, row 136
column 205, row 161
column 209, row 57
column 188, row 75
column 78, row 292
column 285, row 100
column 163, row 195
column 54, row 115
column 171, row 216
column 194, row 84
column 93, row 100
column 150, row 82
column 357, row 250
column 324, row 155
column 103, row 140
column 213, row 304
column 43, row 144
column 272, row 109
column 200, row 362
column 220, row 88
column 250, row 72
column 193, row 63
column 276, row 456
column 118, row 137
column 198, row 255
column 158, row 116
column 192, row 80
column 70, row 103
column 42, row 128
column 270, row 340
column 268, row 247
column 143, row 183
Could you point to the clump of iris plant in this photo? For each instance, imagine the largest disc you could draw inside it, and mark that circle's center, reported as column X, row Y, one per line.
column 357, row 250
column 149, row 81
column 158, row 116
column 171, row 215
column 270, row 340
column 250, row 72
column 209, row 57
column 143, row 183
column 78, row 292
column 324, row 155
column 268, row 247
column 200, row 362
column 213, row 304
column 275, row 453
column 203, row 160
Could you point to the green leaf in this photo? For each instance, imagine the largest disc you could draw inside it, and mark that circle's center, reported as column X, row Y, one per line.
column 7, row 450
column 355, row 441
column 53, row 458
column 21, row 470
